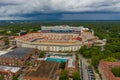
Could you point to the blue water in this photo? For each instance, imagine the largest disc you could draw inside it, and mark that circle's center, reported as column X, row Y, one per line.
column 57, row 60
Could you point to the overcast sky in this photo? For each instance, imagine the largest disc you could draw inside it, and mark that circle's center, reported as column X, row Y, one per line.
column 59, row 9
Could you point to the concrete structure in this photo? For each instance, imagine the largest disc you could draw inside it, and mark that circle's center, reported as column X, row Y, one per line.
column 3, row 44
column 58, row 38
column 12, row 41
column 62, row 29
column 105, row 70
column 19, row 56
column 99, row 43
column 44, row 70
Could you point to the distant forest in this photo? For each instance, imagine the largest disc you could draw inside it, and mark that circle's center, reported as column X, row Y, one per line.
column 103, row 29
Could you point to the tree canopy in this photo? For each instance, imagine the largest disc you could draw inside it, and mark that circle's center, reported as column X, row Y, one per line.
column 76, row 76
column 64, row 75
column 116, row 71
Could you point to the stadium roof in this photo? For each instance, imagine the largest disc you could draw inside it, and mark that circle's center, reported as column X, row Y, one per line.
column 17, row 53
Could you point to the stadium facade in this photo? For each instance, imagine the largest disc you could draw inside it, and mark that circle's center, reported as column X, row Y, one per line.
column 56, row 38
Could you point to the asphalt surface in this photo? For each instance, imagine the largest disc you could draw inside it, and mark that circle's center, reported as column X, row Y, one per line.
column 83, row 69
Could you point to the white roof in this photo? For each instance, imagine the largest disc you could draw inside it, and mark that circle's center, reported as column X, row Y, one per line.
column 12, row 69
column 41, row 58
column 73, row 57
column 3, row 52
column 71, row 63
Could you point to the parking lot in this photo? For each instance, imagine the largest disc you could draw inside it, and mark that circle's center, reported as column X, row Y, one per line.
column 91, row 73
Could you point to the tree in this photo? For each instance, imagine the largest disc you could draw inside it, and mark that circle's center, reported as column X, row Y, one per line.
column 1, row 77
column 117, row 55
column 15, row 78
column 82, row 49
column 17, row 63
column 95, row 60
column 110, row 59
column 64, row 75
column 107, row 53
column 76, row 76
column 62, row 65
column 6, row 41
column 116, row 71
column 76, row 54
column 29, row 63
column 42, row 54
column 89, row 52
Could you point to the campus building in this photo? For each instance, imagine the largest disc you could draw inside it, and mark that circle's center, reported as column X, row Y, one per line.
column 71, row 66
column 57, row 38
column 105, row 70
column 44, row 70
column 7, row 73
column 18, row 56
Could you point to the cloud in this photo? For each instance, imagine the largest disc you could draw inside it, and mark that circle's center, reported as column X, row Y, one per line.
column 10, row 8
column 93, row 16
column 13, row 18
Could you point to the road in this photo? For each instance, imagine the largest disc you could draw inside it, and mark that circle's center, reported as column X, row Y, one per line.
column 83, row 68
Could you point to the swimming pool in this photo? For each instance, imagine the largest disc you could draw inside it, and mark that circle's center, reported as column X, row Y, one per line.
column 57, row 59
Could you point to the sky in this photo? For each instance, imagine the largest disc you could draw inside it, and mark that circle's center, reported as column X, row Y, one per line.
column 59, row 9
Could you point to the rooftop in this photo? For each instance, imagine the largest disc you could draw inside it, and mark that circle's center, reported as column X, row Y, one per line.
column 3, row 52
column 106, row 66
column 11, row 69
column 46, row 69
column 17, row 53
column 71, row 62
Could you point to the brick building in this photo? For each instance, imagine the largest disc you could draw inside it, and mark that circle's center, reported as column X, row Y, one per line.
column 105, row 70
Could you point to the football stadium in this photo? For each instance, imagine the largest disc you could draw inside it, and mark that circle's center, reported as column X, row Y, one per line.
column 56, row 38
